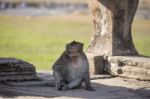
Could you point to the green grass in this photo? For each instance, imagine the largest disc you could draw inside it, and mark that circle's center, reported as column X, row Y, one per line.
column 41, row 40
column 141, row 36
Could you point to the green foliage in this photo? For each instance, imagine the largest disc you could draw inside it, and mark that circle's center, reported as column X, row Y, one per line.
column 41, row 40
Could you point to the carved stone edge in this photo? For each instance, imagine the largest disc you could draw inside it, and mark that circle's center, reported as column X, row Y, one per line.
column 135, row 67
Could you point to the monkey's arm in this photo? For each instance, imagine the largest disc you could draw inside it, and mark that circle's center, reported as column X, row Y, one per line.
column 86, row 77
column 59, row 80
column 58, row 72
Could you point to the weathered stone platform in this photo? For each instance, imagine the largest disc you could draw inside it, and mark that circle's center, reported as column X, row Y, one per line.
column 16, row 69
column 128, row 66
column 106, row 88
column 136, row 67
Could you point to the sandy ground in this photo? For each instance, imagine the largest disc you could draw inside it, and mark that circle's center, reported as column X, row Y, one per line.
column 106, row 88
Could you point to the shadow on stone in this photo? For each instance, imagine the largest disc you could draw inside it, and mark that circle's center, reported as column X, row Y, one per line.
column 111, row 88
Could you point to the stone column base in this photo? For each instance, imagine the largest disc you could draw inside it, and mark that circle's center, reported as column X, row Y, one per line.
column 128, row 66
column 96, row 64
column 125, row 66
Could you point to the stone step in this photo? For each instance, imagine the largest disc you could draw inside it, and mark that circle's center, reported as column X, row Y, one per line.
column 18, row 77
column 16, row 73
column 141, row 62
column 128, row 66
column 16, row 69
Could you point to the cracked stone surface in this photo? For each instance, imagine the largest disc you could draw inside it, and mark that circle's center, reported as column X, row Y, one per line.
column 106, row 88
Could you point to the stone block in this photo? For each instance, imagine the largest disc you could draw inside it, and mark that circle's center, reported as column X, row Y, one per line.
column 96, row 64
column 129, row 66
column 16, row 69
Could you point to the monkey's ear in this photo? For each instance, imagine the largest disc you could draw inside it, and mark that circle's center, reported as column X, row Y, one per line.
column 67, row 46
column 81, row 47
column 82, row 44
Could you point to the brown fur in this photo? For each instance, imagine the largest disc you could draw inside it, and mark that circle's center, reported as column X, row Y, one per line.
column 72, row 68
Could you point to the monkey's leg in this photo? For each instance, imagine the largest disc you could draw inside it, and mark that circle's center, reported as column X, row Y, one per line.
column 59, row 80
column 86, row 78
column 75, row 83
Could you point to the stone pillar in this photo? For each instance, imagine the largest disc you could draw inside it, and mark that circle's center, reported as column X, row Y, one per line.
column 112, row 21
column 112, row 24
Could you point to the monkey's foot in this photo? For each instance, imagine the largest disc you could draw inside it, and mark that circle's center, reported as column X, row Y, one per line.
column 60, row 85
column 65, row 88
column 90, row 89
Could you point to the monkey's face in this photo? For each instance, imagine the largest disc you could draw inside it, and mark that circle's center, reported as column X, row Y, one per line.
column 74, row 49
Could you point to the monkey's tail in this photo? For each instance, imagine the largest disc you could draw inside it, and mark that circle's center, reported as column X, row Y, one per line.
column 104, row 76
column 30, row 83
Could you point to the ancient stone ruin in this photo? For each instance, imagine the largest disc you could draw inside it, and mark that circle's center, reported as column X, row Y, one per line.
column 12, row 69
column 112, row 49
column 112, row 24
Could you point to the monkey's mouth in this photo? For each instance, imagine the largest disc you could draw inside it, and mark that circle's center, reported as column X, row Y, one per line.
column 73, row 54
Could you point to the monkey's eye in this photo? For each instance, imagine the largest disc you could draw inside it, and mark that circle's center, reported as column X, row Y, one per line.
column 73, row 48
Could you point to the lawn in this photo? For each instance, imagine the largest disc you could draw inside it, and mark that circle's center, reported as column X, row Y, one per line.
column 41, row 40
column 141, row 36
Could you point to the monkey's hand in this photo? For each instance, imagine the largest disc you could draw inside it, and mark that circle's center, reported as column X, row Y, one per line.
column 60, row 85
column 65, row 88
column 90, row 89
